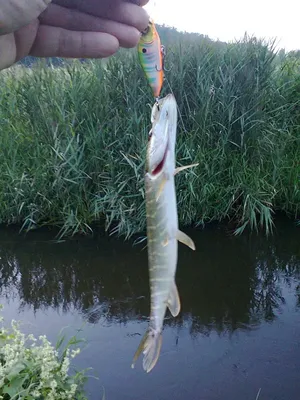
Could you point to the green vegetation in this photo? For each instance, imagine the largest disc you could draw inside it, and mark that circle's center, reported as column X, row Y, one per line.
column 31, row 371
column 73, row 138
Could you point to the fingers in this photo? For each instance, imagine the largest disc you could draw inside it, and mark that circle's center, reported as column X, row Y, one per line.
column 125, row 12
column 58, row 42
column 74, row 20
column 8, row 56
column 140, row 3
column 24, row 38
column 15, row 14
column 129, row 14
column 16, row 46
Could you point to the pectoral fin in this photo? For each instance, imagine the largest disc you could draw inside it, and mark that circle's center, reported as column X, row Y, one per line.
column 165, row 241
column 185, row 239
column 174, row 301
column 179, row 169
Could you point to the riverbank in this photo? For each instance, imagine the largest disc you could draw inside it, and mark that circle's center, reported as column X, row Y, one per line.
column 73, row 139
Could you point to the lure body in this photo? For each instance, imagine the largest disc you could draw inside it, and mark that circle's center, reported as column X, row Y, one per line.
column 151, row 57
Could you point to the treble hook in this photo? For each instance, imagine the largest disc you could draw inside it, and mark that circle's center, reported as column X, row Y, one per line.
column 163, row 53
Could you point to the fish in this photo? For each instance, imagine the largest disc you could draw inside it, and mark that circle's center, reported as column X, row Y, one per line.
column 151, row 55
column 163, row 233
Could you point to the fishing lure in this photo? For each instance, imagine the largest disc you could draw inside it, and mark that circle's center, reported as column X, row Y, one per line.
column 151, row 55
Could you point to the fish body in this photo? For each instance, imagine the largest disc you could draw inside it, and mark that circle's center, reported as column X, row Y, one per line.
column 162, row 226
column 150, row 53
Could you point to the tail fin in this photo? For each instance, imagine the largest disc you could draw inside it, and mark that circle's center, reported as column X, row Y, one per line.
column 150, row 346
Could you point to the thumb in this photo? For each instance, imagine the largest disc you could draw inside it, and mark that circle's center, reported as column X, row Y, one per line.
column 14, row 14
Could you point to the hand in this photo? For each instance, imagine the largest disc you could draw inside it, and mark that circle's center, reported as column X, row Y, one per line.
column 68, row 28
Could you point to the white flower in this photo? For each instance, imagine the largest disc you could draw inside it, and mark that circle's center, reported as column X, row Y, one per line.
column 41, row 361
column 53, row 385
column 65, row 366
column 31, row 337
column 72, row 391
column 74, row 353
column 35, row 393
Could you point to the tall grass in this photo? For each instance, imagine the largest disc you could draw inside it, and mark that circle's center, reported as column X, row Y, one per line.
column 73, row 139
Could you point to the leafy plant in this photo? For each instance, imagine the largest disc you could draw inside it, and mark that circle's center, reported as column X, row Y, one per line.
column 29, row 370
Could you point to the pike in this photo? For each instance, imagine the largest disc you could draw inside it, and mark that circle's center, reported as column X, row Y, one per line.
column 162, row 226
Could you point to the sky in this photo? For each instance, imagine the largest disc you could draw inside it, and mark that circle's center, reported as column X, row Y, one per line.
column 229, row 20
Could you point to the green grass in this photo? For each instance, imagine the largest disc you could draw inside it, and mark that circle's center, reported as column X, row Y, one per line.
column 73, row 139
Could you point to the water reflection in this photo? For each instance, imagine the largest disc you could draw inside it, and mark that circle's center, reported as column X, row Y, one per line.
column 228, row 284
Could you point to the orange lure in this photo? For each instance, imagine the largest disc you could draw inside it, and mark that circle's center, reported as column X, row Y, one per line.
column 151, row 56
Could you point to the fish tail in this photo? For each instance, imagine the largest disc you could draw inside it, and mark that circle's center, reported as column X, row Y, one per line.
column 150, row 345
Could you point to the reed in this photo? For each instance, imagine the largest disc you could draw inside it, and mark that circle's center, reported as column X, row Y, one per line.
column 73, row 138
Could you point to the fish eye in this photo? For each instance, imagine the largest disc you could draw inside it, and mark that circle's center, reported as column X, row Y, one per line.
column 144, row 50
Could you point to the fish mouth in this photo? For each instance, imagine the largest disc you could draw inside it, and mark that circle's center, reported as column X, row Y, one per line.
column 158, row 169
column 163, row 118
column 146, row 30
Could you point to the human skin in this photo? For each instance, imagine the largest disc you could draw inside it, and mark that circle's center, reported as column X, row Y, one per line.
column 68, row 28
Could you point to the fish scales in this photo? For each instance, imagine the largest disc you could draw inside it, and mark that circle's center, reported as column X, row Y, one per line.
column 162, row 226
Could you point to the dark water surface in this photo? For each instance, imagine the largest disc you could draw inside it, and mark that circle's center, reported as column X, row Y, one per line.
column 238, row 331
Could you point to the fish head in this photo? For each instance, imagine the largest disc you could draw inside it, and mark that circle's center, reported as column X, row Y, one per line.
column 162, row 135
column 149, row 34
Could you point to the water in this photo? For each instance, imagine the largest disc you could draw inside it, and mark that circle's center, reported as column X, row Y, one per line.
column 239, row 329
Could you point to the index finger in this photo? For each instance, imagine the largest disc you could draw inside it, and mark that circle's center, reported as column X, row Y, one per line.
column 141, row 3
column 126, row 12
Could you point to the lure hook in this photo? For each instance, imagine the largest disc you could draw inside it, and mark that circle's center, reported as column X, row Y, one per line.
column 163, row 54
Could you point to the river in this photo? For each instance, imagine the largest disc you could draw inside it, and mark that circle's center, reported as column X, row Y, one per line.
column 238, row 331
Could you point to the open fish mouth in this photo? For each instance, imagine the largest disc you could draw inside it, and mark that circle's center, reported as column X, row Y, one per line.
column 157, row 170
column 160, row 155
column 159, row 140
